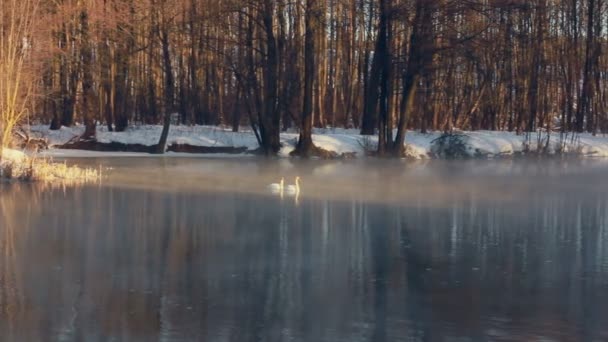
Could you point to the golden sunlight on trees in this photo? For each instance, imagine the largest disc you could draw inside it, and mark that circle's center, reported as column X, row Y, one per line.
column 18, row 66
column 380, row 66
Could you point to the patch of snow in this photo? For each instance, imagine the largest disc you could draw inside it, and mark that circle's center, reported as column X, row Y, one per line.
column 494, row 143
column 340, row 140
column 14, row 163
column 14, row 156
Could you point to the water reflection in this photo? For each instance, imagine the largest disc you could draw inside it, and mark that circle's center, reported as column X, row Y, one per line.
column 110, row 263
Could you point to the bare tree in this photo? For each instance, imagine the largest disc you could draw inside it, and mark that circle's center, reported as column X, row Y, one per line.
column 305, row 146
column 19, row 67
column 380, row 66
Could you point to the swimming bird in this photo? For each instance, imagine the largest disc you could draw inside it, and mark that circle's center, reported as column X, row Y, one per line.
column 277, row 187
column 293, row 189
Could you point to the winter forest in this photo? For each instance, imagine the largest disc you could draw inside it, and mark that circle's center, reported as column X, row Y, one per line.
column 379, row 66
column 303, row 170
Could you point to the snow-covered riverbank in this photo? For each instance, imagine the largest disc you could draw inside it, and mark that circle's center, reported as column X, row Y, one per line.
column 419, row 146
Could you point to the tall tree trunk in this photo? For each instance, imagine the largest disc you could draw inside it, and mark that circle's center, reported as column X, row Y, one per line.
column 586, row 97
column 169, row 90
column 370, row 82
column 87, row 77
column 536, row 65
column 270, row 117
column 381, row 92
column 421, row 52
column 305, row 145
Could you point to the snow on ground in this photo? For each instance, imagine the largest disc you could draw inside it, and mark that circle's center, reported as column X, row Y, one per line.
column 14, row 160
column 419, row 146
column 14, row 164
column 489, row 143
column 594, row 146
column 10, row 156
column 338, row 140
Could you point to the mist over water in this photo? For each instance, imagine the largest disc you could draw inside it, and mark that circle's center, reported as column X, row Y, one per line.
column 187, row 249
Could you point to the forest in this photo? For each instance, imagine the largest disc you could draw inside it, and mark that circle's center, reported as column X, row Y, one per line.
column 380, row 66
column 303, row 170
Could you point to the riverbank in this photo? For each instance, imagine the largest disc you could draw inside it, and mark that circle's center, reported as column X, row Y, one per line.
column 344, row 142
column 16, row 165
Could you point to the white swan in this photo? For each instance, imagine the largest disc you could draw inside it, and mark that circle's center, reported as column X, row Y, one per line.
column 277, row 187
column 292, row 189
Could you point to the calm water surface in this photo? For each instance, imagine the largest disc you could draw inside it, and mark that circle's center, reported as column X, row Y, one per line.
column 197, row 250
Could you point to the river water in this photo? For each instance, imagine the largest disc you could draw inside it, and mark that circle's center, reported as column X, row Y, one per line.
column 182, row 249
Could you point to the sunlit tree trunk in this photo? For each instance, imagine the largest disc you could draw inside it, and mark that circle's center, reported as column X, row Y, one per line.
column 19, row 71
column 305, row 145
column 87, row 75
column 420, row 53
column 169, row 86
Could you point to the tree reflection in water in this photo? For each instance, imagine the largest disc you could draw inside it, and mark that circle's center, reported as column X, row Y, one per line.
column 110, row 263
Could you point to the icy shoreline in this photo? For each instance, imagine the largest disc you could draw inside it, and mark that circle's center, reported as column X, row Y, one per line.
column 477, row 144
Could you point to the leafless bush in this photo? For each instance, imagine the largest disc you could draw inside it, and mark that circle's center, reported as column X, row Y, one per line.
column 368, row 145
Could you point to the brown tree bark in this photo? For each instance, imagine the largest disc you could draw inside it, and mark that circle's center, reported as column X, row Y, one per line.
column 169, row 88
column 305, row 146
column 87, row 77
column 271, row 119
column 420, row 52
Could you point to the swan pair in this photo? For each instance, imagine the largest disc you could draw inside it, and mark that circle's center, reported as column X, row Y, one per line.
column 291, row 189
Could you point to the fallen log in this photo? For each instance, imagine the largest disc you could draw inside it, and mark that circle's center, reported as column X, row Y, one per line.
column 186, row 148
column 93, row 145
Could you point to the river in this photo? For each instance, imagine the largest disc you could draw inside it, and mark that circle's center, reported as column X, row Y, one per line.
column 179, row 249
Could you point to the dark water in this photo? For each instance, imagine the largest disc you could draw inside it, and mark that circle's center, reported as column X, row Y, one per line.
column 189, row 250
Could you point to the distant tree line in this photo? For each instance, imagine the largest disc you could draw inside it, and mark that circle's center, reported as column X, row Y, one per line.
column 375, row 65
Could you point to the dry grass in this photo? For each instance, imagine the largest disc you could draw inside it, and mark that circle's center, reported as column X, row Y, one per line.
column 43, row 170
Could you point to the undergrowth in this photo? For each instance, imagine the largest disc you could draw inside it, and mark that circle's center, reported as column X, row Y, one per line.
column 43, row 170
